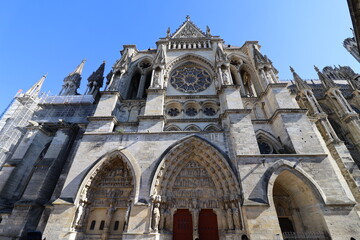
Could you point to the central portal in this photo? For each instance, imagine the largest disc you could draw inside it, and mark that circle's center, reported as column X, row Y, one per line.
column 196, row 195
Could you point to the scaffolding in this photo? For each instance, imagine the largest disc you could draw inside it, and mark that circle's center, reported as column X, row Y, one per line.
column 43, row 108
column 72, row 108
column 70, row 99
column 13, row 122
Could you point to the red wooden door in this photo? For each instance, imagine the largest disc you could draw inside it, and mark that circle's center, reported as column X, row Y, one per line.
column 182, row 225
column 208, row 228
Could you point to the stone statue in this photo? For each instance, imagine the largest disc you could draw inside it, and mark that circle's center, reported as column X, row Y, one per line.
column 79, row 215
column 156, row 80
column 229, row 218
column 225, row 77
column 208, row 33
column 156, row 217
column 236, row 217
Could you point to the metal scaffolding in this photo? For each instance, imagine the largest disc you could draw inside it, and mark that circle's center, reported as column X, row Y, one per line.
column 13, row 122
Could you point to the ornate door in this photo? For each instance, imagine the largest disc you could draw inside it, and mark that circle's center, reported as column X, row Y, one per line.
column 208, row 228
column 183, row 227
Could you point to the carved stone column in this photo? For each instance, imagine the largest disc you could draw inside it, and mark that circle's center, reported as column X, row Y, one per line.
column 195, row 218
column 109, row 216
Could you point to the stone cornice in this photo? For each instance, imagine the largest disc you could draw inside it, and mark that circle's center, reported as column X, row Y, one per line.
column 107, row 92
column 155, row 90
column 151, row 117
column 192, row 97
column 272, row 86
column 103, row 118
column 153, row 133
column 221, row 90
column 295, row 155
column 280, row 111
column 186, row 120
column 227, row 112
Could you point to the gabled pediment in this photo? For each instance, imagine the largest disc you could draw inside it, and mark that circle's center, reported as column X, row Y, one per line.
column 188, row 30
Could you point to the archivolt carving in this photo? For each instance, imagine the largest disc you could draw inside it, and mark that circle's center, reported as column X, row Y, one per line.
column 206, row 170
column 196, row 176
column 111, row 184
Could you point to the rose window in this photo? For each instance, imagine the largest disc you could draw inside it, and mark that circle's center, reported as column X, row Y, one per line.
column 209, row 111
column 173, row 112
column 190, row 79
column 191, row 111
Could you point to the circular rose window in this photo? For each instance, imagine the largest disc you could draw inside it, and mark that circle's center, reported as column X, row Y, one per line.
column 190, row 79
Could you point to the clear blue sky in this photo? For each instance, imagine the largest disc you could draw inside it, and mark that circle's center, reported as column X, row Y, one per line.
column 42, row 36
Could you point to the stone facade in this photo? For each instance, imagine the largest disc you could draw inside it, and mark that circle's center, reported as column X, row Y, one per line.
column 192, row 140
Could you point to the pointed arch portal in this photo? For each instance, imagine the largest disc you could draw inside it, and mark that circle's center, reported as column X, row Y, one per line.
column 196, row 177
column 105, row 198
column 298, row 207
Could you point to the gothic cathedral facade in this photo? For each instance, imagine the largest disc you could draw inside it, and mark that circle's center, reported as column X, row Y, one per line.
column 192, row 140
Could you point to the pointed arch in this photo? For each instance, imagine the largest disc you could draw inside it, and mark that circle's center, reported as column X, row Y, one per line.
column 192, row 128
column 175, row 157
column 212, row 127
column 172, row 128
column 190, row 57
column 105, row 195
column 102, row 162
column 266, row 137
column 289, row 189
column 281, row 165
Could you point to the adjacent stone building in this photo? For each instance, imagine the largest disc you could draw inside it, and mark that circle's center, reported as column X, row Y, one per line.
column 192, row 140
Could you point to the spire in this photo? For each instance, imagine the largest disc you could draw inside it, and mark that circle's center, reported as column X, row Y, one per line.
column 96, row 79
column 79, row 68
column 72, row 81
column 35, row 89
column 327, row 82
column 300, row 84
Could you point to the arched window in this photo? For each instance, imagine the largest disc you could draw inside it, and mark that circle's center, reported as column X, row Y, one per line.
column 269, row 144
column 192, row 128
column 147, row 83
column 212, row 128
column 172, row 128
column 134, row 86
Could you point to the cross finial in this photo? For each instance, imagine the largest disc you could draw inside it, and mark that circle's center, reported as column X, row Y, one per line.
column 187, row 17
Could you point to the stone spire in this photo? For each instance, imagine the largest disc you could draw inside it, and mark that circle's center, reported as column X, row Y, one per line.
column 328, row 83
column 96, row 79
column 35, row 89
column 72, row 81
column 300, row 84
